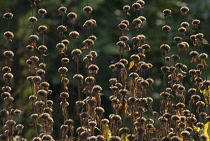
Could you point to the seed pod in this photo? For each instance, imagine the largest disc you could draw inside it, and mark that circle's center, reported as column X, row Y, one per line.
column 74, row 34
column 62, row 9
column 8, row 16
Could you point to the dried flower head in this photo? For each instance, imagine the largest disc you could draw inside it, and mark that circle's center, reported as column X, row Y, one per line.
column 8, row 15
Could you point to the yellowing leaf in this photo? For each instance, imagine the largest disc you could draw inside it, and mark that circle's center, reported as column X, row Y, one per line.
column 124, row 137
column 106, row 132
column 206, row 130
column 132, row 63
column 85, row 47
column 204, row 41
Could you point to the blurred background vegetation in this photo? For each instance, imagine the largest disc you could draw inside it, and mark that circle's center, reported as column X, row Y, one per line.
column 108, row 14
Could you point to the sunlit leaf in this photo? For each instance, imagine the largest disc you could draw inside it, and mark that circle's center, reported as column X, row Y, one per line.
column 204, row 41
column 124, row 137
column 206, row 130
column 85, row 47
column 131, row 64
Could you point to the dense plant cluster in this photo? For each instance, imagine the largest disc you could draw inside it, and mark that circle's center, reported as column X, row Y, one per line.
column 184, row 100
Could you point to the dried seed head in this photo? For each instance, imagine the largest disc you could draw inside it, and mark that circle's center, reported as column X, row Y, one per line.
column 78, row 77
column 96, row 88
column 40, row 72
column 92, row 123
column 167, row 115
column 6, row 88
column 142, row 18
column 115, row 138
column 84, row 115
column 32, row 98
column 192, row 91
column 63, row 70
column 64, row 95
column 175, row 57
column 185, row 133
column 200, row 104
column 122, row 26
column 42, row 28
column 49, row 103
column 87, row 9
column 76, row 52
column 8, row 16
column 165, row 69
column 99, row 110
column 62, row 9
column 126, row 8
column 114, row 117
column 8, row 54
column 74, row 34
column 203, row 137
column 104, row 121
column 175, row 117
column 72, row 15
column 92, row 102
column 39, row 104
column 69, row 122
column 92, row 37
column 164, row 94
column 165, row 47
column 88, row 42
column 123, row 92
column 175, row 138
column 166, row 139
column 89, row 79
column 100, row 138
column 196, row 22
column 65, row 60
column 166, row 28
column 124, row 38
column 194, row 53
column 93, row 68
column 178, row 39
column 42, row 92
column 9, row 35
column 42, row 11
column 62, row 28
column 47, row 138
column 6, row 69
column 200, row 66
column 182, row 29
column 92, row 138
column 145, row 46
column 184, row 10
column 10, row 123
column 136, row 6
column 32, row 19
column 64, row 127
column 119, row 65
column 7, row 76
column 137, row 21
column 33, row 37
column 203, row 56
column 48, row 110
column 185, row 24
column 180, row 105
column 198, row 80
column 167, row 12
column 199, row 36
column 42, row 48
column 36, row 79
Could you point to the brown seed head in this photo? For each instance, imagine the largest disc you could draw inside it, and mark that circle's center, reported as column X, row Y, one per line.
column 8, row 16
